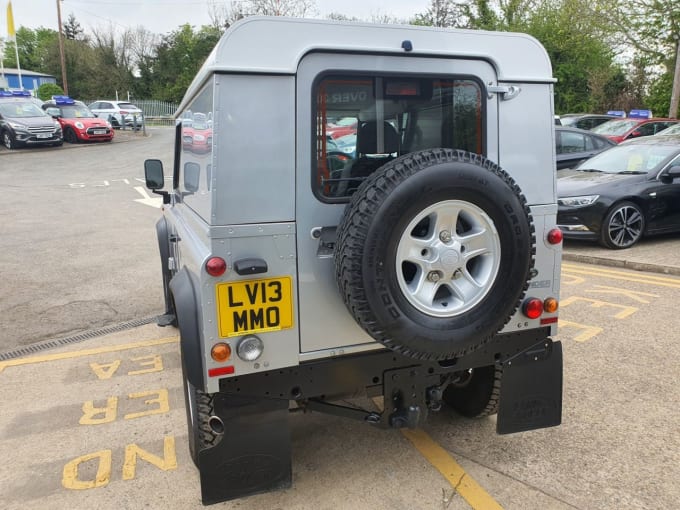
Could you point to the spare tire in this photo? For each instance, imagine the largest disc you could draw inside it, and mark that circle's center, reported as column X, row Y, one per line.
column 433, row 253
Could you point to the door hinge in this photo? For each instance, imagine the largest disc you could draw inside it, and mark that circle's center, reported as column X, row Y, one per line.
column 507, row 92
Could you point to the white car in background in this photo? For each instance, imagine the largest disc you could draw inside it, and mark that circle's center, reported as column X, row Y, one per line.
column 118, row 112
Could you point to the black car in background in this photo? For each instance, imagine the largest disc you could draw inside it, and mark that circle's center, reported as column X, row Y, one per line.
column 622, row 194
column 23, row 123
column 573, row 146
column 585, row 120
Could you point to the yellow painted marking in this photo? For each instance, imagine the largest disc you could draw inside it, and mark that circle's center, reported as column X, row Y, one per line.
column 155, row 362
column 85, row 352
column 161, row 399
column 570, row 279
column 97, row 415
column 662, row 281
column 454, row 473
column 588, row 331
column 105, row 370
column 70, row 475
column 634, row 295
column 462, row 483
column 132, row 451
column 626, row 311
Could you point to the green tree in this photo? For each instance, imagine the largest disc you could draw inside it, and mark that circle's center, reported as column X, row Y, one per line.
column 47, row 90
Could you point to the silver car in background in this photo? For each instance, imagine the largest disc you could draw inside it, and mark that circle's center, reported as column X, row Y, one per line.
column 118, row 113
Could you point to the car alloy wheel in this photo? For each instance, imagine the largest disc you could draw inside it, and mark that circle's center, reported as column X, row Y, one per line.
column 7, row 140
column 623, row 226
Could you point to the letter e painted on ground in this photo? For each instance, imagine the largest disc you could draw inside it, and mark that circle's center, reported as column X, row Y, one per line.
column 161, row 399
column 154, row 362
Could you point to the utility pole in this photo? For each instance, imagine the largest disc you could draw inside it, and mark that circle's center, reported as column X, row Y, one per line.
column 675, row 94
column 61, row 49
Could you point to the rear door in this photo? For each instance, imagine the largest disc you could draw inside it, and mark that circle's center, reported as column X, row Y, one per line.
column 354, row 113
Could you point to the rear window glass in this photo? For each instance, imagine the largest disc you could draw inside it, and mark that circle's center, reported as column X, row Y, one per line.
column 362, row 122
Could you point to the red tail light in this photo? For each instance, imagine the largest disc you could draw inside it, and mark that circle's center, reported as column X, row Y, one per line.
column 532, row 308
column 215, row 266
column 555, row 236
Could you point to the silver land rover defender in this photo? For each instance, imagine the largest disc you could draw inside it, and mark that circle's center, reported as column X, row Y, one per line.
column 369, row 212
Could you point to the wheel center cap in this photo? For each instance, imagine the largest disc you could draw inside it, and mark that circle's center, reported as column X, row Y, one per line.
column 449, row 259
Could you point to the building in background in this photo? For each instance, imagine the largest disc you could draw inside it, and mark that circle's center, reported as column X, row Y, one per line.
column 29, row 79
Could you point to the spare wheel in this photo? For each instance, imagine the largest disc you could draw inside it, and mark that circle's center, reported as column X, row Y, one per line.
column 433, row 253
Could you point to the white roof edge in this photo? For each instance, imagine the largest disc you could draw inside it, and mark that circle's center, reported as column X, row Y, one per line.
column 275, row 45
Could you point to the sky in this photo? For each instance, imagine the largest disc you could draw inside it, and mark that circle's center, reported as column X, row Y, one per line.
column 163, row 16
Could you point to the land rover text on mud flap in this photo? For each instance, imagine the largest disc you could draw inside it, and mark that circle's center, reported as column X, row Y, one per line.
column 411, row 254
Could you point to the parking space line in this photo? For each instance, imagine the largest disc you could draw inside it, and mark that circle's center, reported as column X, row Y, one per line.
column 619, row 275
column 461, row 482
column 454, row 473
column 86, row 352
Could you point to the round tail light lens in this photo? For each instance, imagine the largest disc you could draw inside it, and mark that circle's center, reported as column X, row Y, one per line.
column 220, row 352
column 555, row 236
column 216, row 266
column 533, row 308
column 250, row 348
column 550, row 305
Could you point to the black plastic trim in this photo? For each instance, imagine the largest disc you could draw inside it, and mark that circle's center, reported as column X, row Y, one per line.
column 164, row 249
column 186, row 307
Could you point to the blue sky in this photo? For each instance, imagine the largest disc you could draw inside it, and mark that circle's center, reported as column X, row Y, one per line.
column 162, row 16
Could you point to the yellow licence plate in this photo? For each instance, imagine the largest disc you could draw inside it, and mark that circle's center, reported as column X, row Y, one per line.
column 254, row 306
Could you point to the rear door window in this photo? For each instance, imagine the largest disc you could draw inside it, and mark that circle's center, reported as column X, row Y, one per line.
column 362, row 122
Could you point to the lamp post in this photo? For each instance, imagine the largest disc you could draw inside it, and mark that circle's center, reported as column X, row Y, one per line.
column 61, row 50
column 675, row 92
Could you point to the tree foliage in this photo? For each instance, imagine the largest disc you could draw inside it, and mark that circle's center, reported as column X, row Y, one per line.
column 605, row 54
column 47, row 90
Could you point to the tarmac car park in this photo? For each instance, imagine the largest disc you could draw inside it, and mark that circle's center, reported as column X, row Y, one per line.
column 78, row 123
column 23, row 123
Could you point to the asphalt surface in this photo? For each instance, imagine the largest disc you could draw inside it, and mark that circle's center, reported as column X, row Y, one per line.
column 100, row 423
column 655, row 254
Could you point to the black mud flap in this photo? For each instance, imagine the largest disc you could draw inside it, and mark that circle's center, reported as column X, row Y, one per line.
column 254, row 454
column 531, row 391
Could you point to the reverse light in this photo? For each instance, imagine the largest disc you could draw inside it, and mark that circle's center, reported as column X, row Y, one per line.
column 216, row 266
column 250, row 348
column 550, row 305
column 532, row 308
column 555, row 236
column 220, row 352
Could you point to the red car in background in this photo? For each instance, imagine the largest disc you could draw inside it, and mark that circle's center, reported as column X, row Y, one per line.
column 342, row 127
column 618, row 130
column 197, row 134
column 77, row 121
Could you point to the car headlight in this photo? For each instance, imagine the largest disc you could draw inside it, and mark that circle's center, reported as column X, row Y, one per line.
column 57, row 125
column 108, row 125
column 581, row 201
column 16, row 125
column 79, row 125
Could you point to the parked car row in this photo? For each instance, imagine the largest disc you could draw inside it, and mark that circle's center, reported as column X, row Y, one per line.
column 26, row 121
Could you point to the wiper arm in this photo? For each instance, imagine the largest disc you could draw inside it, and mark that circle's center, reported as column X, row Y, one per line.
column 589, row 170
column 632, row 172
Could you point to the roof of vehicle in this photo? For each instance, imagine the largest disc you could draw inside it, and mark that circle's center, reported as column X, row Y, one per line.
column 516, row 57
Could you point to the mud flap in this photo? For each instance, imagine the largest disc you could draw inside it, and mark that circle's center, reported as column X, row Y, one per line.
column 531, row 391
column 254, row 454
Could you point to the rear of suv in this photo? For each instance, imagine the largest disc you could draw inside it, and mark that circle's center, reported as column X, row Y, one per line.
column 409, row 266
column 23, row 123
column 118, row 113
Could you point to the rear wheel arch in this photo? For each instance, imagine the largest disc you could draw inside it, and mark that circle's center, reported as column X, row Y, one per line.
column 184, row 298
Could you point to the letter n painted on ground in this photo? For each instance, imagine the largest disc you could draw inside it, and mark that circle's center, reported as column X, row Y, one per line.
column 166, row 463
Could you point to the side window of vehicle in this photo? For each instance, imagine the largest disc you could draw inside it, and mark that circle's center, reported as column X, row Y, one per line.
column 647, row 129
column 571, row 142
column 106, row 106
column 363, row 122
column 589, row 143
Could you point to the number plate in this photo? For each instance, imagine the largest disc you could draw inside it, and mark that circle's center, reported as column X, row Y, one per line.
column 254, row 306
column 43, row 135
column 99, row 131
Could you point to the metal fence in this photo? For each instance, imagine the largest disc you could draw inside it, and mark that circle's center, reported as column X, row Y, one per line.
column 158, row 113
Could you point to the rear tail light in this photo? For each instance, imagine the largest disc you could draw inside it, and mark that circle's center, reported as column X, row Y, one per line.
column 555, row 236
column 550, row 305
column 220, row 352
column 532, row 308
column 216, row 266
